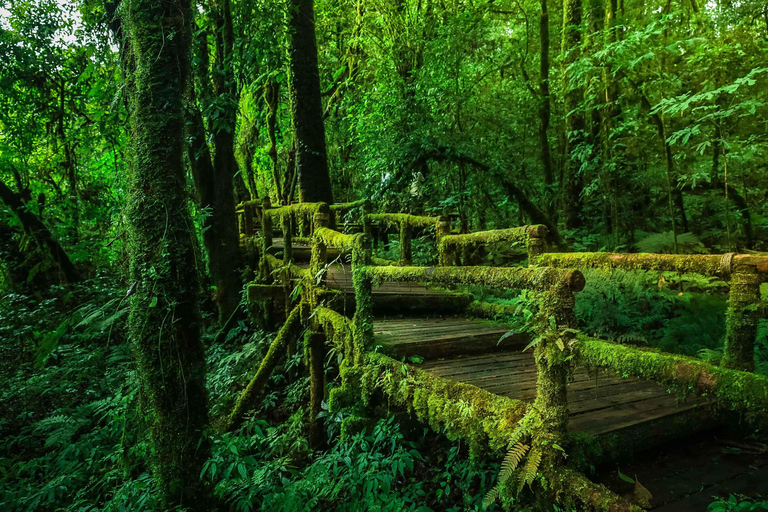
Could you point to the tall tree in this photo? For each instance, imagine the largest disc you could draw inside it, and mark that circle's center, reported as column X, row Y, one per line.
column 164, row 324
column 574, row 123
column 216, row 172
column 306, row 105
column 545, row 111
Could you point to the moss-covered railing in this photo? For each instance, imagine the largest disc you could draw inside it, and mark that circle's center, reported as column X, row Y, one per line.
column 452, row 248
column 746, row 273
column 535, row 434
column 300, row 215
column 406, row 225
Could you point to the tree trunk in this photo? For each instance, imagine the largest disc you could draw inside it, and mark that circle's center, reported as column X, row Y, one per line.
column 544, row 108
column 306, row 107
column 164, row 323
column 35, row 228
column 272, row 98
column 226, row 258
column 574, row 123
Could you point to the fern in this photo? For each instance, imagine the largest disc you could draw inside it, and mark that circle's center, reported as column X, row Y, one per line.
column 528, row 474
column 512, row 461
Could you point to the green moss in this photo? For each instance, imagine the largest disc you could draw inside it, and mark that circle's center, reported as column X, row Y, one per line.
column 573, row 488
column 742, row 317
column 345, row 207
column 382, row 262
column 735, row 389
column 252, row 392
column 704, row 264
column 539, row 278
column 400, row 219
column 460, row 410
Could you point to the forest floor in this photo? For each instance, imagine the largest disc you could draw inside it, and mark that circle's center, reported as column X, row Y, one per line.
column 687, row 476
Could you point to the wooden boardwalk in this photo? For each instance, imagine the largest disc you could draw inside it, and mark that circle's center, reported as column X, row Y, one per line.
column 599, row 403
column 468, row 351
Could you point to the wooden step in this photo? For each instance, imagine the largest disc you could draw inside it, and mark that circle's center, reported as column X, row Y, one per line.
column 431, row 338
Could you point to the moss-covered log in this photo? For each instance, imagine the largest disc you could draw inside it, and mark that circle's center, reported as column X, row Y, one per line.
column 735, row 389
column 538, row 278
column 250, row 395
column 164, row 323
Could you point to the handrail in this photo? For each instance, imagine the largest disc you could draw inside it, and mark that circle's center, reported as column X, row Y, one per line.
column 406, row 224
column 533, row 278
column 718, row 265
column 533, row 236
column 745, row 271
column 740, row 390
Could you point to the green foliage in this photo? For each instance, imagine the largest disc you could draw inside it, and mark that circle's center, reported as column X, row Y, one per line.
column 734, row 504
column 377, row 469
column 675, row 313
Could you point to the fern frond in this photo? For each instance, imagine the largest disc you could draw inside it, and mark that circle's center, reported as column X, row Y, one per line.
column 528, row 474
column 490, row 497
column 512, row 461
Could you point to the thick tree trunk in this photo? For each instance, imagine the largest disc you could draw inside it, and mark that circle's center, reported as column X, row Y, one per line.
column 35, row 228
column 574, row 122
column 164, row 324
column 306, row 106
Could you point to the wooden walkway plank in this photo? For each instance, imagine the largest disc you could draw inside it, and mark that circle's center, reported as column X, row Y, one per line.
column 599, row 402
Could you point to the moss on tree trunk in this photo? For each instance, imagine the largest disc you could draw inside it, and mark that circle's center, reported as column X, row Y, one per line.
column 164, row 325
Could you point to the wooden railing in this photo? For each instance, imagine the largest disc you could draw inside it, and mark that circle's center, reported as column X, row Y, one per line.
column 495, row 422
column 745, row 272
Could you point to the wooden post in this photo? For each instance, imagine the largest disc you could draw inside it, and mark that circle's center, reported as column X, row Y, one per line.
column 442, row 229
column 537, row 243
column 742, row 317
column 248, row 216
column 287, row 222
column 318, row 259
column 406, row 233
column 266, row 234
column 362, row 330
column 315, row 350
column 556, row 305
